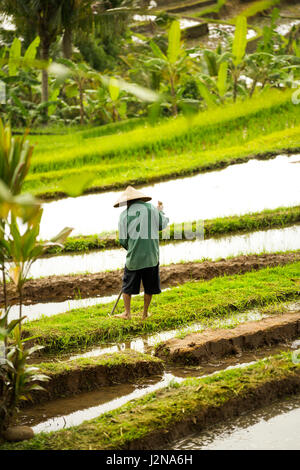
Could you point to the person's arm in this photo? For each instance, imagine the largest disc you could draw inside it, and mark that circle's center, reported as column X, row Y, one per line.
column 163, row 220
column 123, row 232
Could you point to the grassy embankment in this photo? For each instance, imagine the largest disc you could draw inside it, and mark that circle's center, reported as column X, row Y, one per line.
column 267, row 124
column 259, row 7
column 195, row 301
column 211, row 10
column 113, row 360
column 252, row 9
column 267, row 219
column 192, row 403
column 67, row 378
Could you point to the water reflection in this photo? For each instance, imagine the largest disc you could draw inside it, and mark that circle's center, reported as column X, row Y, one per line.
column 274, row 427
column 237, row 189
column 262, row 241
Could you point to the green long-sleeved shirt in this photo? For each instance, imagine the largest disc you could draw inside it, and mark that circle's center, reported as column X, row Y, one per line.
column 139, row 227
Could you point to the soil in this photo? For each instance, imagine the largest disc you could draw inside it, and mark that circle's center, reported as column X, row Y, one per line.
column 201, row 347
column 61, row 288
column 74, row 381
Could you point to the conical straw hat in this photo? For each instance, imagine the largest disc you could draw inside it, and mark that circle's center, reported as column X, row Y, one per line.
column 130, row 194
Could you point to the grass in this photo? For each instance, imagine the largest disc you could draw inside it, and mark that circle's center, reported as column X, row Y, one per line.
column 211, row 9
column 176, row 147
column 162, row 410
column 267, row 219
column 116, row 175
column 258, row 7
column 110, row 361
column 193, row 301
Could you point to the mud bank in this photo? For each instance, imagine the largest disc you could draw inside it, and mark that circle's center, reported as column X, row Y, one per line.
column 201, row 347
column 73, row 377
column 167, row 414
column 253, row 400
column 60, row 288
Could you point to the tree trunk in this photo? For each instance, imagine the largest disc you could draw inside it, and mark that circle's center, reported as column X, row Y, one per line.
column 67, row 43
column 5, row 300
column 81, row 104
column 45, row 85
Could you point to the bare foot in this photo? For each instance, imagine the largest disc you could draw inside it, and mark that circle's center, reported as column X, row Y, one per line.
column 124, row 316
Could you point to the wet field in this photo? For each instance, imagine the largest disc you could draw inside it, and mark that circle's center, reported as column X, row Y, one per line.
column 275, row 427
column 235, row 190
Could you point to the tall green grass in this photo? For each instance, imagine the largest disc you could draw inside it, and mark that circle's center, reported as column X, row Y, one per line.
column 118, row 172
column 168, row 135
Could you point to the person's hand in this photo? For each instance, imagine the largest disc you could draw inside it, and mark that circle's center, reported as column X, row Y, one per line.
column 160, row 206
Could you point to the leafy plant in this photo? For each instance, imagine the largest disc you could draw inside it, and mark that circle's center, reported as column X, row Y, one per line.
column 238, row 51
column 170, row 66
column 17, row 253
column 17, row 378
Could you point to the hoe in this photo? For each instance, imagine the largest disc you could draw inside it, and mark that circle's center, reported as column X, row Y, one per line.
column 116, row 303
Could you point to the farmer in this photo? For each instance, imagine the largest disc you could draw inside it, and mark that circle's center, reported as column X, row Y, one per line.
column 139, row 227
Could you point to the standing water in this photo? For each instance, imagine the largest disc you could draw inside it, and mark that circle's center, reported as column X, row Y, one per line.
column 235, row 190
column 262, row 241
column 275, row 427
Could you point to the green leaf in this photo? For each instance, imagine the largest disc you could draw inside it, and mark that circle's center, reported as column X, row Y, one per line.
column 174, row 42
column 53, row 97
column 206, row 94
column 113, row 89
column 31, row 51
column 240, row 40
column 75, row 185
column 157, row 51
column 222, row 79
column 14, row 56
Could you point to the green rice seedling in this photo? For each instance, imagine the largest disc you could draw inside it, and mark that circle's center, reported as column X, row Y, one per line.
column 184, row 305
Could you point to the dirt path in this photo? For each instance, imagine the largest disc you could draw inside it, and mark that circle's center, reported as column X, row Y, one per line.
column 201, row 347
column 60, row 288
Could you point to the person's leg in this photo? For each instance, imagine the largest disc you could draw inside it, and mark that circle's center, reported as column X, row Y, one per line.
column 127, row 302
column 147, row 300
column 131, row 286
column 151, row 283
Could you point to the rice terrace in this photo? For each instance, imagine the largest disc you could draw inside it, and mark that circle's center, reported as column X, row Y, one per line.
column 149, row 227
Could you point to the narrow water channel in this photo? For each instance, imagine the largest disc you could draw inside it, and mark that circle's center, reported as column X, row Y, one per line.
column 68, row 412
column 275, row 427
column 235, row 190
column 267, row 241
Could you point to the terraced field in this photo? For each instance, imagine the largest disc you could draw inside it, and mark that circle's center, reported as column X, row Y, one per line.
column 222, row 339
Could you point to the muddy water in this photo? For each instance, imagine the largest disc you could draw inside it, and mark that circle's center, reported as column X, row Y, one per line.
column 275, row 427
column 146, row 343
column 237, row 189
column 105, row 402
column 261, row 241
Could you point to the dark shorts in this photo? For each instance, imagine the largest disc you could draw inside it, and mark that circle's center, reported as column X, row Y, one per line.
column 149, row 277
